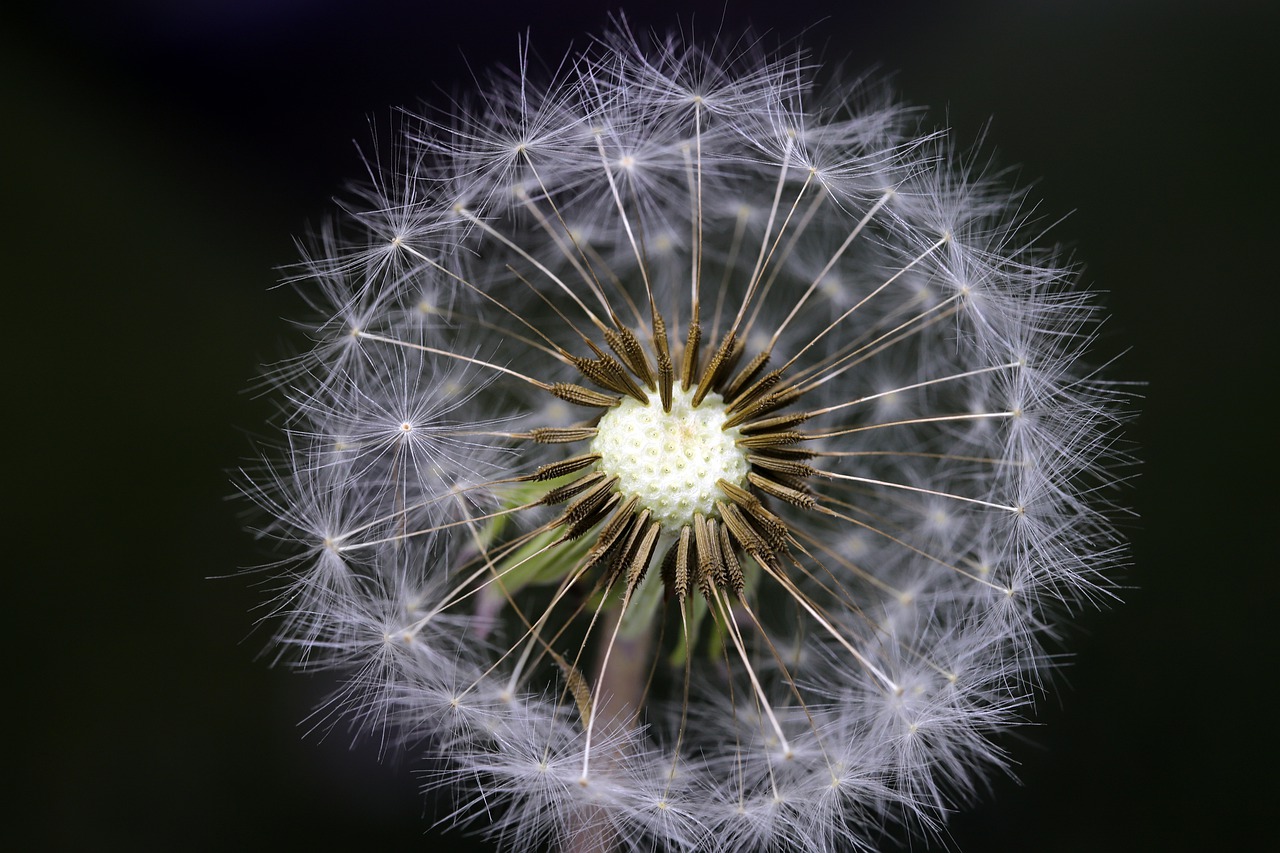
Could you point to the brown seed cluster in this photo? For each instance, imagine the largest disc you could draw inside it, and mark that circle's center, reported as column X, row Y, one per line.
column 707, row 553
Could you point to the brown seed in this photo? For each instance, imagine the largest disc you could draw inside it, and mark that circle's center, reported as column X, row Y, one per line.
column 556, row 470
column 778, row 490
column 580, row 396
column 689, row 363
column 608, row 373
column 640, row 562
column 561, row 435
column 732, row 578
column 578, row 686
column 790, row 467
column 747, row 374
column 768, row 403
column 771, row 439
column 760, row 386
column 623, row 341
column 590, row 515
column 715, row 368
column 560, row 494
column 587, row 505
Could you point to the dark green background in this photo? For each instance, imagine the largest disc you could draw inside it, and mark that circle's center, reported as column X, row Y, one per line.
column 157, row 159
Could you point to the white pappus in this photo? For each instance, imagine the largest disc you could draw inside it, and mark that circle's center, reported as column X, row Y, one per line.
column 691, row 456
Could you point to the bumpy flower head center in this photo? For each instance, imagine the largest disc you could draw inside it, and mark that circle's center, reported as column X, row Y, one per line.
column 672, row 461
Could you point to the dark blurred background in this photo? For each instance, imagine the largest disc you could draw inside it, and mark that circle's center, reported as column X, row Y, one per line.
column 158, row 158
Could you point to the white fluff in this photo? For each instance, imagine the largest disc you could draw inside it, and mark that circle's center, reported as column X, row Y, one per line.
column 960, row 490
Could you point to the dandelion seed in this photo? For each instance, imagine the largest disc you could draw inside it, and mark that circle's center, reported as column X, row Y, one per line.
column 689, row 457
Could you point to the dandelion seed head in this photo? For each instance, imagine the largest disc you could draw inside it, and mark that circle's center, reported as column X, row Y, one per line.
column 689, row 455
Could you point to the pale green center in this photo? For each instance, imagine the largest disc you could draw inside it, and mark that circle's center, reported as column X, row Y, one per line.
column 672, row 461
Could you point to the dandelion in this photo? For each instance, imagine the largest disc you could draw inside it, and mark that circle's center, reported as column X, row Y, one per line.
column 690, row 456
